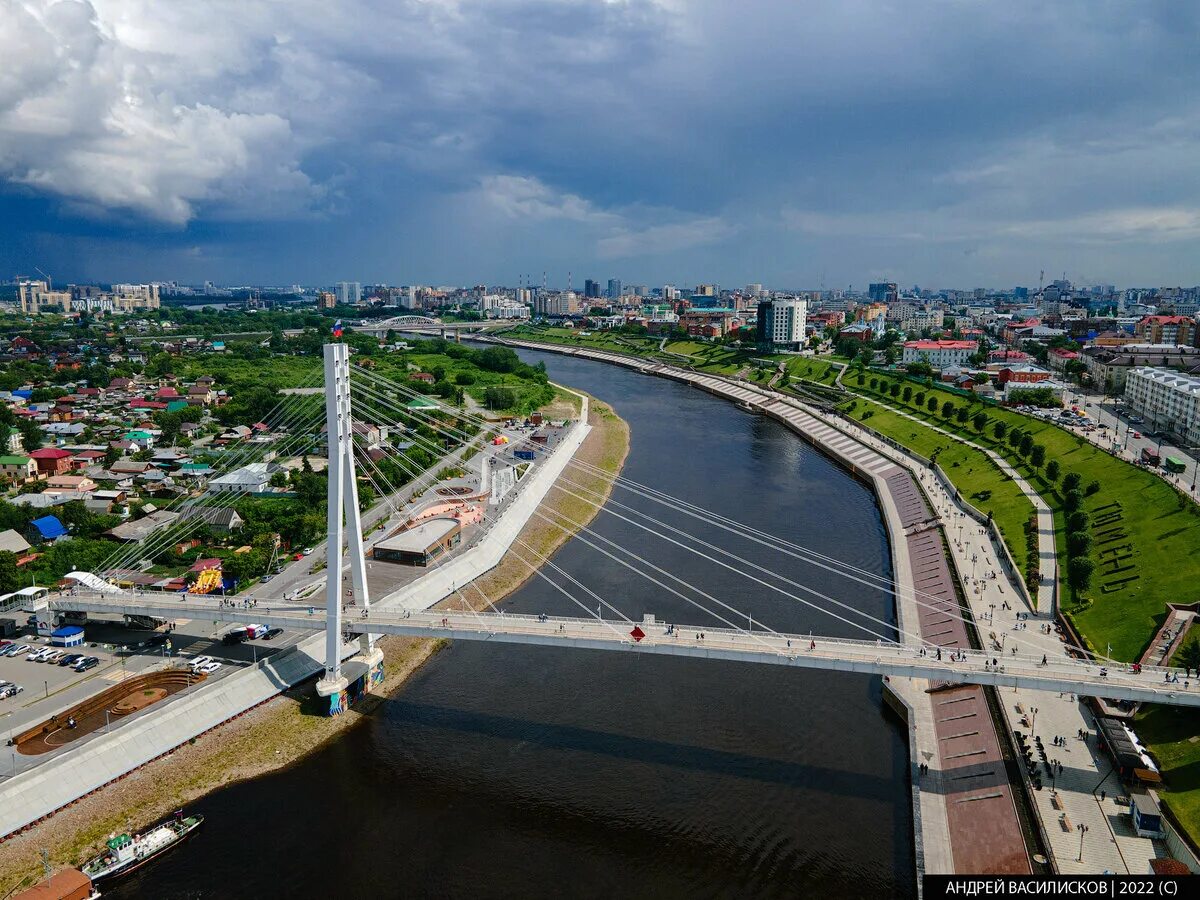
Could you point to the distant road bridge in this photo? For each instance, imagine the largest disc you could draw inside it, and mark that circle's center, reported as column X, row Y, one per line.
column 651, row 637
column 380, row 327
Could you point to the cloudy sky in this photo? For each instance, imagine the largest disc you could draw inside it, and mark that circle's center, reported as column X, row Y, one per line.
column 954, row 143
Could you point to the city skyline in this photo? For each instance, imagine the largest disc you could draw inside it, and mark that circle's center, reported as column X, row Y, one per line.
column 820, row 146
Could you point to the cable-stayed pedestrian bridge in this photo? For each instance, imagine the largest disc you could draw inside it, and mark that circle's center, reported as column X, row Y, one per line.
column 651, row 637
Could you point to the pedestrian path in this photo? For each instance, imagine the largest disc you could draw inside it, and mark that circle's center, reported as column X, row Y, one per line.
column 1047, row 553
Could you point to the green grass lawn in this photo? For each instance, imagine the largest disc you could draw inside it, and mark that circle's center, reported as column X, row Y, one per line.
column 978, row 479
column 1153, row 525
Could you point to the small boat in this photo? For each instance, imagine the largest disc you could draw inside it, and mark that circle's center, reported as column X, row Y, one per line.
column 124, row 853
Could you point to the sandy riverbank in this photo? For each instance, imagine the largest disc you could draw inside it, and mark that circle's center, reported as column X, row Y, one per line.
column 290, row 726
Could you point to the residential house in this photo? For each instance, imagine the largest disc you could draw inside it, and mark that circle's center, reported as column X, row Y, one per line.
column 47, row 528
column 12, row 542
column 219, row 521
column 17, row 468
column 58, row 484
column 51, row 461
column 254, row 478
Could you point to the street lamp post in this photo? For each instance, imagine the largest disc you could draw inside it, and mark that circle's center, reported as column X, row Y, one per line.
column 1033, row 721
column 1083, row 829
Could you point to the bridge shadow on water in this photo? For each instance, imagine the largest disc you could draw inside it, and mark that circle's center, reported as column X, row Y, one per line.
column 823, row 778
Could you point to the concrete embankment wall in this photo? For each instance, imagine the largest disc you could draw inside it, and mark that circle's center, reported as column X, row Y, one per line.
column 77, row 771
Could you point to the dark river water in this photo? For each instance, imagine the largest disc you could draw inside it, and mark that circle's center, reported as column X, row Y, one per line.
column 504, row 771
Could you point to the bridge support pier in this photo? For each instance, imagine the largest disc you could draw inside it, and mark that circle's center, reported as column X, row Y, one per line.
column 344, row 526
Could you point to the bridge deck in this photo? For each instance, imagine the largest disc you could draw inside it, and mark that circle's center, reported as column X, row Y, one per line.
column 802, row 651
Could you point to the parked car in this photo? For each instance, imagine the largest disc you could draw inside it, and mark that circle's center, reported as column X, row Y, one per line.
column 209, row 668
column 199, row 661
column 266, row 578
column 17, row 650
column 53, row 656
column 237, row 636
column 10, row 691
column 37, row 654
column 272, row 633
column 298, row 556
column 70, row 659
column 88, row 662
column 308, row 551
column 1137, row 434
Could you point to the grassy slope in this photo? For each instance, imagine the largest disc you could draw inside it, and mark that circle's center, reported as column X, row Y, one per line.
column 972, row 472
column 1162, row 530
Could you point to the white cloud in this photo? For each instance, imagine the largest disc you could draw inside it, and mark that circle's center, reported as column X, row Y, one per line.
column 528, row 198
column 665, row 238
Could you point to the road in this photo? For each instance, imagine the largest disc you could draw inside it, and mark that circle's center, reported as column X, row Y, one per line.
column 1118, row 432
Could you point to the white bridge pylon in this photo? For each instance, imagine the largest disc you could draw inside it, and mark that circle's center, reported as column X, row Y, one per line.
column 344, row 527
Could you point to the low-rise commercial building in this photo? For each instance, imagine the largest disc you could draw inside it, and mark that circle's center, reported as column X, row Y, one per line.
column 939, row 354
column 422, row 544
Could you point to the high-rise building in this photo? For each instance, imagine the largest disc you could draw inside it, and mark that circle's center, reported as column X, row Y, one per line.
column 614, row 288
column 884, row 292
column 326, row 300
column 781, row 323
column 349, row 292
column 591, row 289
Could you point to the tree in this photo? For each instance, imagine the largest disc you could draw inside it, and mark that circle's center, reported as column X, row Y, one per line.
column 962, row 414
column 933, row 404
column 1052, row 470
column 279, row 479
column 465, row 378
column 1026, row 445
column 998, row 430
column 1071, row 481
column 1077, row 521
column 920, row 368
column 1037, row 455
column 496, row 397
column 1079, row 573
column 980, row 421
column 908, row 392
column 9, row 577
column 1072, row 500
column 31, row 435
column 894, row 389
column 1014, row 438
column 919, row 399
column 947, row 409
column 1079, row 543
column 1189, row 655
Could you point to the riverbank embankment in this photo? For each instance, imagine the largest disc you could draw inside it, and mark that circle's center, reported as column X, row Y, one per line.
column 965, row 804
column 290, row 726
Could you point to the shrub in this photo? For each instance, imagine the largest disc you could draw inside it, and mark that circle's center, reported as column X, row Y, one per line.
column 1092, row 487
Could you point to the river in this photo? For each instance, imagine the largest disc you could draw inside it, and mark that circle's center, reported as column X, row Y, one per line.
column 503, row 771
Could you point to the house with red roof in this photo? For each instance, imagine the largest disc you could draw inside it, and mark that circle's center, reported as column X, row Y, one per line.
column 1167, row 330
column 51, row 461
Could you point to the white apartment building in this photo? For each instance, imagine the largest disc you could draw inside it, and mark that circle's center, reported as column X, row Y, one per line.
column 782, row 321
column 1168, row 400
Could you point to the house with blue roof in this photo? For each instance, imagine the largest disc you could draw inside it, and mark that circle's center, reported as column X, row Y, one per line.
column 47, row 528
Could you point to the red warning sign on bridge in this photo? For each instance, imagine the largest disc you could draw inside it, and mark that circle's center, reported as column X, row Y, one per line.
column 637, row 634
